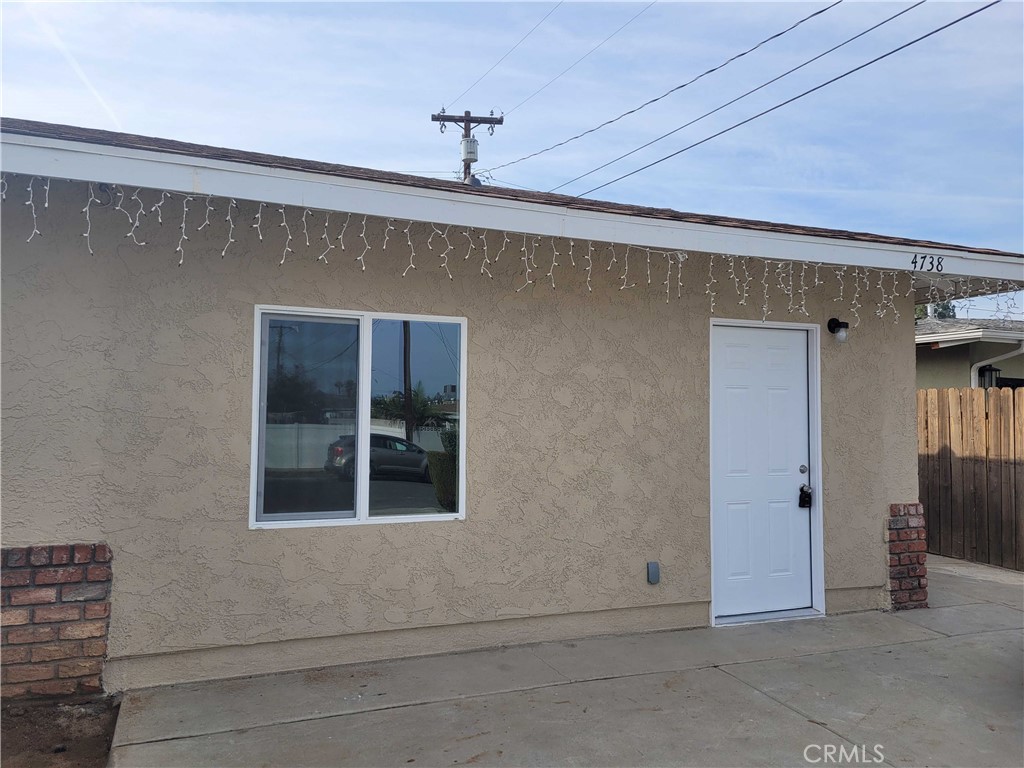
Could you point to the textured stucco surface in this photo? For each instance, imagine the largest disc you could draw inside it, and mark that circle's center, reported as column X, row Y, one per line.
column 126, row 405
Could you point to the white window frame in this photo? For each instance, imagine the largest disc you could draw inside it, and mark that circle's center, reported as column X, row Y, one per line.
column 362, row 497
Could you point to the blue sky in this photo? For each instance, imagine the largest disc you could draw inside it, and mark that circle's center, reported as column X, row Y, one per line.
column 928, row 143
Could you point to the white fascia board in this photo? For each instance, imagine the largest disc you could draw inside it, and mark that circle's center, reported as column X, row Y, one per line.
column 80, row 161
column 953, row 338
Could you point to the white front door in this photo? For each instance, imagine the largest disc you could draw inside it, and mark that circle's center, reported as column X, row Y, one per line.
column 760, row 456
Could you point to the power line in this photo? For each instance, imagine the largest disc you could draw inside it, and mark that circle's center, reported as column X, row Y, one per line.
column 670, row 91
column 581, row 58
column 741, row 96
column 795, row 98
column 510, row 50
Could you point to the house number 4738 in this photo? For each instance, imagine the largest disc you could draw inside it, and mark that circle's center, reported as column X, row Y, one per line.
column 925, row 263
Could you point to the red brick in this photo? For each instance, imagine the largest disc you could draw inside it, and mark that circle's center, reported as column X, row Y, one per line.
column 94, row 647
column 900, row 597
column 80, row 667
column 908, row 584
column 906, row 534
column 98, row 573
column 83, row 553
column 39, row 555
column 896, row 548
column 13, row 691
column 897, row 573
column 56, row 613
column 103, row 554
column 17, row 556
column 917, row 546
column 15, row 655
column 15, row 578
column 90, row 684
column 97, row 610
column 5, row 597
column 31, row 635
column 33, row 596
column 917, row 570
column 921, row 594
column 61, row 555
column 894, row 560
column 83, row 629
column 915, row 522
column 14, row 616
column 77, row 592
column 26, row 673
column 58, row 575
column 897, row 523
column 894, row 535
column 55, row 651
column 894, row 584
column 924, row 583
column 54, row 688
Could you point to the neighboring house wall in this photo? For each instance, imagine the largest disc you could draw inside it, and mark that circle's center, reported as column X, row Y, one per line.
column 127, row 386
column 951, row 366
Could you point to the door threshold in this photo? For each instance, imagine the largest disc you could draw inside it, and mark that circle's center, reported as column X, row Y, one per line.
column 758, row 618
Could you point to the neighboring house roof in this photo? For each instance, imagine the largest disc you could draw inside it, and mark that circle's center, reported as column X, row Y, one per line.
column 952, row 331
column 132, row 141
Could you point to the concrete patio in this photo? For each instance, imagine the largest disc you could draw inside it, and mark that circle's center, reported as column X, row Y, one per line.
column 940, row 686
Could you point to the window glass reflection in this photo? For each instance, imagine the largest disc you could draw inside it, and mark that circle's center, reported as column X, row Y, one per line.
column 310, row 375
column 414, row 417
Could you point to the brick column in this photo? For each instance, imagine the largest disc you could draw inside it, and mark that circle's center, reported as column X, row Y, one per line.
column 55, row 613
column 908, row 553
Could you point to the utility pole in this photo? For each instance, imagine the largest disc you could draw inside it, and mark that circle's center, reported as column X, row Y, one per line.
column 469, row 146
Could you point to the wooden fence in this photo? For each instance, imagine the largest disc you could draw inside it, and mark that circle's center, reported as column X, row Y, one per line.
column 970, row 446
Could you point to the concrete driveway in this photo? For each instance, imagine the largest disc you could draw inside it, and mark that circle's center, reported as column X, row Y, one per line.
column 941, row 686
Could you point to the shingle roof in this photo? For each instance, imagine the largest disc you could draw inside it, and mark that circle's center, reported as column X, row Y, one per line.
column 132, row 141
column 930, row 325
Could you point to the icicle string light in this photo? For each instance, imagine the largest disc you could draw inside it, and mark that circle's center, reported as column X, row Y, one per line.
column 366, row 247
column 305, row 228
column 88, row 219
column 138, row 216
column 159, row 207
column 447, row 250
column 181, row 240
column 710, row 287
column 288, row 233
column 231, row 226
column 326, row 238
column 590, row 264
column 341, row 236
column 554, row 263
column 878, row 289
column 412, row 249
column 483, row 266
column 32, row 204
column 209, row 209
column 258, row 226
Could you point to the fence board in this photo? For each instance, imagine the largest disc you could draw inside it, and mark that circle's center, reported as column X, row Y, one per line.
column 956, row 454
column 971, row 473
column 1005, row 397
column 1018, row 473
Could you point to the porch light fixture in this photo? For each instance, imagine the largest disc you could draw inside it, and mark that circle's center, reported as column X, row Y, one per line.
column 839, row 329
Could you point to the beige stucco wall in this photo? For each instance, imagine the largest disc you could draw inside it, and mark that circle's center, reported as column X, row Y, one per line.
column 951, row 366
column 126, row 406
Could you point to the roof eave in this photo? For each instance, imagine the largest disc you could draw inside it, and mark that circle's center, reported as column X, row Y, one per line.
column 84, row 161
